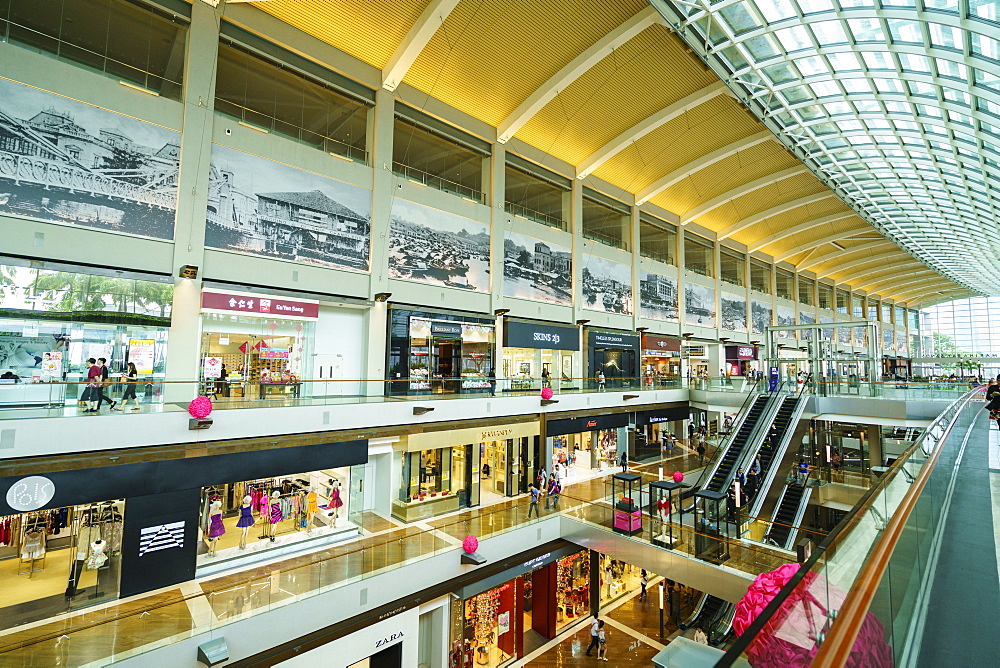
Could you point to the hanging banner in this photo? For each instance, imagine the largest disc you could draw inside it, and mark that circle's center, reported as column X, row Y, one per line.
column 212, row 368
column 141, row 354
column 273, row 353
column 244, row 347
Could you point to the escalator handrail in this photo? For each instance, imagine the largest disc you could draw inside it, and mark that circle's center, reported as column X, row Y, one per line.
column 708, row 472
column 693, row 617
column 800, row 512
column 756, row 438
column 767, row 477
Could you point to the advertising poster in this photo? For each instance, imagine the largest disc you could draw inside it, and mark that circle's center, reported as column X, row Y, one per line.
column 434, row 246
column 52, row 364
column 64, row 161
column 140, row 353
column 607, row 285
column 262, row 207
column 760, row 316
column 537, row 270
column 212, row 368
column 273, row 353
column 23, row 354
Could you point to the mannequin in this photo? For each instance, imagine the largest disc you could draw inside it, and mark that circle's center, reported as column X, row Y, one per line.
column 246, row 520
column 97, row 557
column 311, row 508
column 335, row 501
column 276, row 515
column 215, row 528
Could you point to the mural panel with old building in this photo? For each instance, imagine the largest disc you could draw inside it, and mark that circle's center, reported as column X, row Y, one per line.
column 537, row 270
column 657, row 296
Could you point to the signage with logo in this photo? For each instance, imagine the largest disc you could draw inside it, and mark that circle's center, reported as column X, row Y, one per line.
column 741, row 352
column 30, row 493
column 273, row 353
column 533, row 335
column 593, row 423
column 660, row 346
column 161, row 537
column 141, row 354
column 661, row 415
column 441, row 439
column 612, row 340
column 212, row 368
column 446, row 329
column 264, row 306
column 694, row 351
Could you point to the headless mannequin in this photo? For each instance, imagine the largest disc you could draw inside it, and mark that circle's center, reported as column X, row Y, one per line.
column 213, row 510
column 311, row 508
column 246, row 529
column 97, row 557
column 275, row 496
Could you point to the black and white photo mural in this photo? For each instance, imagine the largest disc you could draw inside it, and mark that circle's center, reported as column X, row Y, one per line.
column 63, row 161
column 860, row 336
column 786, row 317
column 699, row 305
column 657, row 296
column 270, row 209
column 607, row 285
column 434, row 246
column 806, row 319
column 887, row 339
column 826, row 334
column 734, row 312
column 760, row 316
column 538, row 270
column 844, row 336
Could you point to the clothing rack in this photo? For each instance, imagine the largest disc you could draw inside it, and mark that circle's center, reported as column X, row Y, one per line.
column 295, row 511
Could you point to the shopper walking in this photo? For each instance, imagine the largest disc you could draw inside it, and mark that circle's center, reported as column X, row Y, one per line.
column 105, row 383
column 552, row 494
column 803, row 472
column 493, row 382
column 643, row 582
column 701, row 451
column 92, row 390
column 623, row 461
column 699, row 636
column 131, row 378
column 595, row 627
column 602, row 642
column 546, row 381
column 533, row 504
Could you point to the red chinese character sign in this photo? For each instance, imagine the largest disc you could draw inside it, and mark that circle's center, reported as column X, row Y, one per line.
column 217, row 301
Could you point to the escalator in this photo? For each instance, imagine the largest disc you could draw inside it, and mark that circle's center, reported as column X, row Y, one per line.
column 774, row 446
column 707, row 612
column 735, row 450
column 788, row 515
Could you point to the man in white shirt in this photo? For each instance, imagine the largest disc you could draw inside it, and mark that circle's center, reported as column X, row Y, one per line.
column 699, row 636
column 595, row 626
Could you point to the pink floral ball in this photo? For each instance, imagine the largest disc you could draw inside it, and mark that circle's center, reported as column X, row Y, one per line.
column 470, row 544
column 200, row 408
column 678, row 476
column 546, row 393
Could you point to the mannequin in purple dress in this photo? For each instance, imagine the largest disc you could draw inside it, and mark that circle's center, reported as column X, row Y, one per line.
column 276, row 515
column 246, row 520
column 215, row 527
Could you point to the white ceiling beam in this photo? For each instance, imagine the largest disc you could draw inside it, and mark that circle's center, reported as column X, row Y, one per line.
column 644, row 127
column 869, row 272
column 920, row 278
column 597, row 52
column 740, row 191
column 750, row 221
column 842, row 252
column 416, row 39
column 913, row 299
column 798, row 229
column 836, row 236
column 704, row 161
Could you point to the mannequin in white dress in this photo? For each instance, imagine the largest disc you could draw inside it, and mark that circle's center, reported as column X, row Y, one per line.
column 97, row 557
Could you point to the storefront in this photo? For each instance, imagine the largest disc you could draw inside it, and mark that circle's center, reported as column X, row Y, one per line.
column 442, row 471
column 255, row 346
column 439, row 352
column 539, row 354
column 661, row 359
column 741, row 359
column 616, row 354
column 85, row 536
column 582, row 445
column 522, row 606
column 651, row 427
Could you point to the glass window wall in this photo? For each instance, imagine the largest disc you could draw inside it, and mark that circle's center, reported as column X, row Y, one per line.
column 783, row 282
column 537, row 195
column 824, row 296
column 807, row 290
column 699, row 255
column 436, row 160
column 732, row 266
column 843, row 302
column 657, row 239
column 605, row 220
column 760, row 277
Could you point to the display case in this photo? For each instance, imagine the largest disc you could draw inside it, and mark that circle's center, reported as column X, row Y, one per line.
column 663, row 494
column 712, row 530
column 627, row 516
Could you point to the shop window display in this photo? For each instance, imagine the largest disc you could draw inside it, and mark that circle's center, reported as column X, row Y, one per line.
column 572, row 588
column 586, row 451
column 433, row 482
column 254, row 516
column 617, row 579
column 59, row 559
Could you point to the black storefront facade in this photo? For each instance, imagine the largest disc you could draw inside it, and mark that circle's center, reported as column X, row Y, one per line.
column 617, row 354
column 649, row 429
column 592, row 442
column 537, row 354
column 158, row 510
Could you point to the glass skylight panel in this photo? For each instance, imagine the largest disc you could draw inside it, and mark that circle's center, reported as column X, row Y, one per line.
column 985, row 9
column 856, row 85
column 794, row 38
column 844, row 62
column 915, row 63
column 946, row 37
column 815, row 6
column 775, row 10
column 984, row 46
column 829, row 33
column 826, row 89
column 888, row 85
column 866, row 30
column 951, row 69
column 878, row 60
column 903, row 31
column 811, row 65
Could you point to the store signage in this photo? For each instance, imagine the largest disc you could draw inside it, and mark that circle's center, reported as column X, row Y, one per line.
column 659, row 353
column 212, row 368
column 741, row 352
column 446, row 329
column 389, row 640
column 535, row 335
column 694, row 351
column 273, row 353
column 532, row 564
column 578, row 425
column 30, row 493
column 264, row 306
column 661, row 415
column 141, row 354
column 612, row 340
column 393, row 612
column 445, row 439
column 663, row 344
column 161, row 537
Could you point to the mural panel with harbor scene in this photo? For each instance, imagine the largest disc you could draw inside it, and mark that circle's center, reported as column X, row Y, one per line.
column 537, row 270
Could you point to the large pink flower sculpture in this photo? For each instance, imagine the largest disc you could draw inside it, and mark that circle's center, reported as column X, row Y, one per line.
column 789, row 637
column 546, row 393
column 470, row 544
column 200, row 408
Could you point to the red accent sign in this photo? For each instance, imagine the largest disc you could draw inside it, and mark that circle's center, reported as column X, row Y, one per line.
column 591, row 423
column 264, row 306
column 244, row 347
column 257, row 346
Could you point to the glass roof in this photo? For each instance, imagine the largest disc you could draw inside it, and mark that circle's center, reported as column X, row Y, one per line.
column 895, row 104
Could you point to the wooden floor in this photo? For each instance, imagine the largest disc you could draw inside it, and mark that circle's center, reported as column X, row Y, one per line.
column 235, row 594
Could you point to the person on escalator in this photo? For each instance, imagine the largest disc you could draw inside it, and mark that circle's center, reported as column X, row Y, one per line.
column 994, row 407
column 994, row 386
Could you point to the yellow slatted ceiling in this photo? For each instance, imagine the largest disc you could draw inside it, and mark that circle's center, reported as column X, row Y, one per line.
column 747, row 165
column 706, row 128
column 629, row 81
column 807, row 240
column 757, row 201
column 846, row 254
column 369, row 30
column 802, row 214
column 489, row 55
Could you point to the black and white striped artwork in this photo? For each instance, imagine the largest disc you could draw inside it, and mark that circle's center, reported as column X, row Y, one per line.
column 161, row 537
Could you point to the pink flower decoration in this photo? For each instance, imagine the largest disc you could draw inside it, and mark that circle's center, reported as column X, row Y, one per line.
column 200, row 408
column 546, row 393
column 789, row 637
column 678, row 476
column 470, row 544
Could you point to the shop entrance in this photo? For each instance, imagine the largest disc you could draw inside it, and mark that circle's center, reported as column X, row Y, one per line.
column 505, row 468
column 446, row 365
column 618, row 366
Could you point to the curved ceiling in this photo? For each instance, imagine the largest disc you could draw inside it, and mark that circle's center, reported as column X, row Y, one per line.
column 611, row 89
